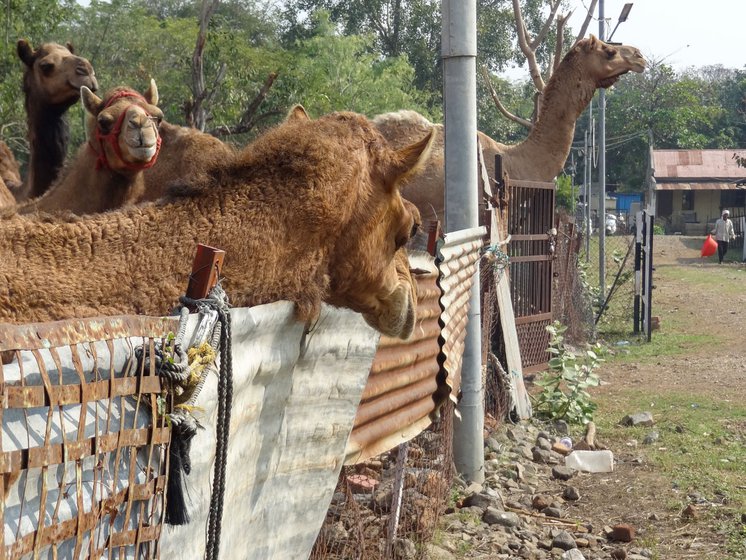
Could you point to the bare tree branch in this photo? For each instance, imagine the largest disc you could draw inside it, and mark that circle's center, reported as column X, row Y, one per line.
column 248, row 118
column 539, row 39
column 498, row 103
column 528, row 52
column 196, row 113
column 588, row 18
column 561, row 21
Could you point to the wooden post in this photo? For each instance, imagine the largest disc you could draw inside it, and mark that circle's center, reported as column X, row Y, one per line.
column 206, row 269
column 433, row 234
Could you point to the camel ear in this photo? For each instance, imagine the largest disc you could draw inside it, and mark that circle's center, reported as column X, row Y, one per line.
column 70, row 47
column 92, row 103
column 592, row 43
column 297, row 113
column 151, row 94
column 410, row 159
column 25, row 52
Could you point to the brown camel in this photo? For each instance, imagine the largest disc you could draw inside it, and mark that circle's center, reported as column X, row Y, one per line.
column 309, row 212
column 10, row 176
column 107, row 172
column 590, row 65
column 52, row 79
column 185, row 152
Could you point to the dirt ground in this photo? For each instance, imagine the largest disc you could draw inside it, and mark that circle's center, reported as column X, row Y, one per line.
column 635, row 493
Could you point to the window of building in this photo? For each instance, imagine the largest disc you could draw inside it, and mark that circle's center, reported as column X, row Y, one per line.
column 733, row 199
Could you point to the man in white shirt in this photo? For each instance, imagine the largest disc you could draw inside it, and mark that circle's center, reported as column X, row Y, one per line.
column 723, row 233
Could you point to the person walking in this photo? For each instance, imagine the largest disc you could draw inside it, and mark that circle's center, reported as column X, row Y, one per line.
column 723, row 233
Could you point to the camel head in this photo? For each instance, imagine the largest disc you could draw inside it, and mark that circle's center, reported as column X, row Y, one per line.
column 54, row 74
column 604, row 62
column 369, row 269
column 122, row 128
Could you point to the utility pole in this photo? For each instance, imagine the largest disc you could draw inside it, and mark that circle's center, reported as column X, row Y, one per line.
column 601, row 169
column 459, row 53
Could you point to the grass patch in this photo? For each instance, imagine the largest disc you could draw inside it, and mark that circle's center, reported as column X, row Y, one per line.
column 702, row 449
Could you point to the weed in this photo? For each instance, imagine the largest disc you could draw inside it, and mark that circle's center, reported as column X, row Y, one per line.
column 564, row 394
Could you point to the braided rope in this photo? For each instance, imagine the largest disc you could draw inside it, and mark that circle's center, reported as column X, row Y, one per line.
column 217, row 300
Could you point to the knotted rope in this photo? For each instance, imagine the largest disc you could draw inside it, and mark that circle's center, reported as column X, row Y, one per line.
column 217, row 301
column 113, row 137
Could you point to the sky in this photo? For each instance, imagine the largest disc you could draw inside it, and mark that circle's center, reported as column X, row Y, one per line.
column 682, row 32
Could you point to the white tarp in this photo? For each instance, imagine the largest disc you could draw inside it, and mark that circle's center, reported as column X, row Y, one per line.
column 294, row 401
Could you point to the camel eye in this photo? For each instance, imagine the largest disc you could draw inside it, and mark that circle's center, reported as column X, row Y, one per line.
column 415, row 229
column 104, row 123
column 46, row 68
column 610, row 53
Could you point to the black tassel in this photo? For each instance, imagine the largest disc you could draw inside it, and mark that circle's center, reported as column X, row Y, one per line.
column 180, row 466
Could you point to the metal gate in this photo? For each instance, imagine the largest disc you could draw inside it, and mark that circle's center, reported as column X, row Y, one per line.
column 531, row 251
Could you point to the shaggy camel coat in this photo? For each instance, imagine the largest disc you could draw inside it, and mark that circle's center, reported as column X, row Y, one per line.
column 309, row 212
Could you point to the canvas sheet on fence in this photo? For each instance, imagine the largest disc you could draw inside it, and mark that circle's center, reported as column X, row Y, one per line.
column 294, row 401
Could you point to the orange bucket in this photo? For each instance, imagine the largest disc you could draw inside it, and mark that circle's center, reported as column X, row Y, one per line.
column 709, row 247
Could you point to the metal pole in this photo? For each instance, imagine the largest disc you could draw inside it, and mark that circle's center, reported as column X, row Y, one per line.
column 587, row 229
column 601, row 170
column 459, row 52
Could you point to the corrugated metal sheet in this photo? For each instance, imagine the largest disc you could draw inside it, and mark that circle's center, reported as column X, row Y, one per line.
column 398, row 399
column 691, row 164
column 410, row 380
column 458, row 255
column 695, row 186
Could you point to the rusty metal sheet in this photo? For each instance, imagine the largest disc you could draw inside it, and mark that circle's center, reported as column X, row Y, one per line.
column 398, row 399
column 691, row 164
column 458, row 258
column 36, row 336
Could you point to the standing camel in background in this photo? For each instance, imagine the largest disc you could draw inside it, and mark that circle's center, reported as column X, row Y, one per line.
column 52, row 79
column 107, row 171
column 590, row 64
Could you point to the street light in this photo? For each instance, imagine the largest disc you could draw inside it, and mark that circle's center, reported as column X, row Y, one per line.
column 602, row 153
column 622, row 18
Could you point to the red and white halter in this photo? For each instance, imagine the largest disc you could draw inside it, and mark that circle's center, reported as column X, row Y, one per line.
column 113, row 137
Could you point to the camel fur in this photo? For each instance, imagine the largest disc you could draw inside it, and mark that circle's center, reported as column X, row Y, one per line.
column 590, row 65
column 185, row 152
column 52, row 78
column 10, row 176
column 309, row 212
column 102, row 178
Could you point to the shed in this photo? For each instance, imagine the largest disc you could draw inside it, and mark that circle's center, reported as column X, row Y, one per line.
column 693, row 187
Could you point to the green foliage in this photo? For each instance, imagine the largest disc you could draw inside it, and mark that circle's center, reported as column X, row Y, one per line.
column 564, row 196
column 658, row 229
column 564, row 394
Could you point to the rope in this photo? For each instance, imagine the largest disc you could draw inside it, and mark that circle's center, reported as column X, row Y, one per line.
column 113, row 137
column 217, row 300
column 495, row 256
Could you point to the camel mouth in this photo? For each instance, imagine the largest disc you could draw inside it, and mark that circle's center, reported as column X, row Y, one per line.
column 87, row 81
column 399, row 320
column 143, row 153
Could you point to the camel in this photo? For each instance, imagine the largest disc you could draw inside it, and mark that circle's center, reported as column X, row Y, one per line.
column 590, row 64
column 10, row 176
column 52, row 79
column 309, row 212
column 107, row 172
column 185, row 152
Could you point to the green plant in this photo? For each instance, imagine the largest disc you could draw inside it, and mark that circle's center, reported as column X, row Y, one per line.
column 658, row 230
column 564, row 394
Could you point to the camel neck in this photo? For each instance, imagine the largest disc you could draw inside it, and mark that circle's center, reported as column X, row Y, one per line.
column 543, row 153
column 48, row 134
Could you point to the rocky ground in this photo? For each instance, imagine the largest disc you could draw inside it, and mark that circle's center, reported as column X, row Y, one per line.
column 524, row 509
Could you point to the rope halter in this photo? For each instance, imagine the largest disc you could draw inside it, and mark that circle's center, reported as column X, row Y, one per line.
column 113, row 137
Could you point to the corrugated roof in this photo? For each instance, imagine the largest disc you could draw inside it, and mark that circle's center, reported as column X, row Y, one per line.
column 697, row 164
column 706, row 186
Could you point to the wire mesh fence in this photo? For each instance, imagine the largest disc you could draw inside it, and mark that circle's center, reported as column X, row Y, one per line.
column 389, row 506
